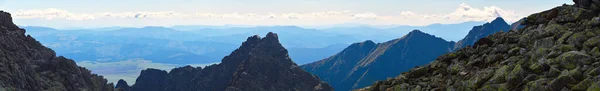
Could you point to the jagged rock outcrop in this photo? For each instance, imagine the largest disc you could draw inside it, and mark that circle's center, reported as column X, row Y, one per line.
column 260, row 64
column 361, row 64
column 122, row 85
column 478, row 32
column 557, row 50
column 26, row 65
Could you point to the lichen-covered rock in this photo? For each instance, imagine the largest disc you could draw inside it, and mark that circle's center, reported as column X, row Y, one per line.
column 594, row 87
column 556, row 50
column 572, row 59
column 583, row 85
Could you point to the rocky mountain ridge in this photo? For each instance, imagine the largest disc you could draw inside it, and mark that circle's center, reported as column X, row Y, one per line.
column 556, row 50
column 259, row 64
column 26, row 65
column 482, row 31
column 363, row 63
column 419, row 49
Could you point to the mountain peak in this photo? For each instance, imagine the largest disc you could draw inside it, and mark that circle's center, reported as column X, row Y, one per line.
column 7, row 22
column 122, row 85
column 271, row 37
column 254, row 38
column 498, row 20
column 416, row 32
column 481, row 31
column 368, row 42
column 34, row 67
column 257, row 65
column 122, row 82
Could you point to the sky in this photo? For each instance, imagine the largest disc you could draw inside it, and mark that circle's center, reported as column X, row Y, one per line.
column 139, row 13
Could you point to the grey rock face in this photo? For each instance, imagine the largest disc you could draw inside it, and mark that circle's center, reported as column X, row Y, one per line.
column 260, row 64
column 27, row 65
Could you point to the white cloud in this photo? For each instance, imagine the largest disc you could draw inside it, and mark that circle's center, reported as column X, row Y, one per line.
column 127, row 70
column 370, row 16
column 52, row 13
column 463, row 13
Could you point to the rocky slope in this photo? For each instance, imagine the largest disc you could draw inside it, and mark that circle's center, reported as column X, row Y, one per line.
column 26, row 65
column 364, row 63
column 558, row 49
column 478, row 32
column 260, row 64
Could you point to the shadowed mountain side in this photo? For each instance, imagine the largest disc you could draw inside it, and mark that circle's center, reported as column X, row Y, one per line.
column 259, row 64
column 482, row 31
column 26, row 65
column 363, row 63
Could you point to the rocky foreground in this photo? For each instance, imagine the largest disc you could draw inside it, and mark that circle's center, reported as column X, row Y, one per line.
column 557, row 50
column 26, row 65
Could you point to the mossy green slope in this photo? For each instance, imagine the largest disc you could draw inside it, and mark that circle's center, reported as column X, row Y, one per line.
column 557, row 50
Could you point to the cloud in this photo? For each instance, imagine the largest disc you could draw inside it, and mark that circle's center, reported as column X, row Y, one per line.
column 52, row 13
column 370, row 16
column 128, row 70
column 463, row 13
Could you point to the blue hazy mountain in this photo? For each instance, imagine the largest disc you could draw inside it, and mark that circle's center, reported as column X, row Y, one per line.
column 363, row 63
column 291, row 36
column 308, row 55
column 450, row 32
column 38, row 28
column 206, row 44
column 165, row 45
column 482, row 31
column 381, row 33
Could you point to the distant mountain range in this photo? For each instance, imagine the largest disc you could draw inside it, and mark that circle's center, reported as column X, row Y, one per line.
column 165, row 45
column 195, row 44
column 361, row 64
column 259, row 64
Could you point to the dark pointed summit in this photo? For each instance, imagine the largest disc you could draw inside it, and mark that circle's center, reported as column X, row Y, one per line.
column 272, row 38
column 367, row 43
column 6, row 20
column 122, row 85
column 498, row 20
column 272, row 35
column 150, row 79
column 259, row 64
column 478, row 32
column 416, row 32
